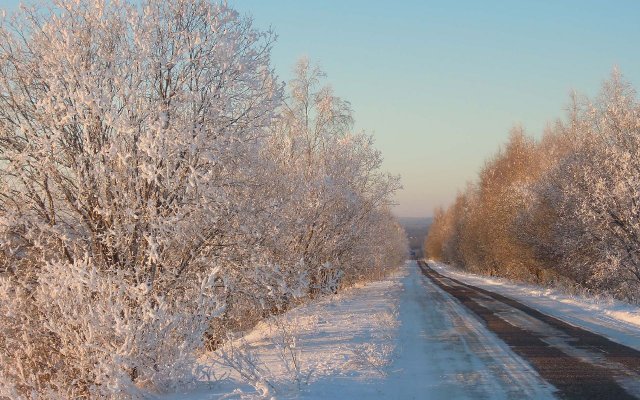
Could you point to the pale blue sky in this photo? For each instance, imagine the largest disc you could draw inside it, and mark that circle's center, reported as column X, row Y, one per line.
column 440, row 83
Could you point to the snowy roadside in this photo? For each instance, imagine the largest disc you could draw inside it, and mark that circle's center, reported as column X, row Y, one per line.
column 400, row 338
column 320, row 350
column 613, row 319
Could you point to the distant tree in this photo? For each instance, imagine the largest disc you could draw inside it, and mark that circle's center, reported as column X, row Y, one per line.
column 439, row 232
column 482, row 221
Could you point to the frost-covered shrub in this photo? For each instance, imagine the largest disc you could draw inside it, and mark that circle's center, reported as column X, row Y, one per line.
column 80, row 332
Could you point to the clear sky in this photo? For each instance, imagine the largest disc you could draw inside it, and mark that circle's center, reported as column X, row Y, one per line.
column 440, row 83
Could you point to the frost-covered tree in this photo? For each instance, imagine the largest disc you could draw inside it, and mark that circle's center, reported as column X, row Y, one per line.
column 124, row 130
column 566, row 208
column 479, row 233
column 157, row 193
column 338, row 193
column 595, row 191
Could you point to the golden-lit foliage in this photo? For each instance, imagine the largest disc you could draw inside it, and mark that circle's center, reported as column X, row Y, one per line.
column 563, row 208
column 477, row 231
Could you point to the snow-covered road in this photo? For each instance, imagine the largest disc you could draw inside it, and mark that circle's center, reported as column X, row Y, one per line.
column 616, row 320
column 579, row 363
column 401, row 338
column 445, row 353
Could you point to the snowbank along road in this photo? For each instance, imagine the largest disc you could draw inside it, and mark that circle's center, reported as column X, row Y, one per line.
column 579, row 363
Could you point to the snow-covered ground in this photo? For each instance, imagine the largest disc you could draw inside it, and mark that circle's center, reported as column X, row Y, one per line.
column 401, row 338
column 615, row 320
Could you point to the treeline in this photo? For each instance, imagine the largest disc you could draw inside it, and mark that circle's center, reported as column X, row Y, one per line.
column 159, row 190
column 563, row 209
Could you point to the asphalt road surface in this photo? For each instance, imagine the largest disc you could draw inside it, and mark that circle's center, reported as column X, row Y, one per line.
column 579, row 363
